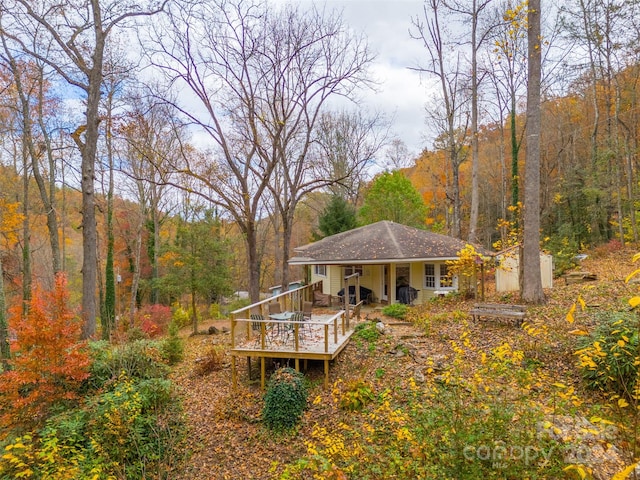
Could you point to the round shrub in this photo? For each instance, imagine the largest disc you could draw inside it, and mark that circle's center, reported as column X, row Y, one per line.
column 285, row 400
column 608, row 358
column 395, row 310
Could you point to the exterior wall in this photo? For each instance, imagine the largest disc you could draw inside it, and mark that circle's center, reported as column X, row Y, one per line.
column 372, row 279
column 507, row 273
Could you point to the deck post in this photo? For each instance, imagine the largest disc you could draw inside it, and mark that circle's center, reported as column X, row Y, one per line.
column 335, row 330
column 262, row 372
column 234, row 376
column 326, row 374
column 297, row 364
column 326, row 338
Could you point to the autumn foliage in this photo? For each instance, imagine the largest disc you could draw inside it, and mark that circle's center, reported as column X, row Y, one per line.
column 48, row 361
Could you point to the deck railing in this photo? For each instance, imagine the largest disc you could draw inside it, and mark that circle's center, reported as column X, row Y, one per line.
column 290, row 300
column 270, row 330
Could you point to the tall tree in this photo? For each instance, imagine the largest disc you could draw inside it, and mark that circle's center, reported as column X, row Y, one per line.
column 473, row 13
column 70, row 38
column 532, row 280
column 449, row 114
column 337, row 217
column 263, row 76
column 198, row 262
column 391, row 196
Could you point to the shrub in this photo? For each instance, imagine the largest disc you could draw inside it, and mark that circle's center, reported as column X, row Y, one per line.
column 356, row 396
column 180, row 316
column 50, row 363
column 564, row 251
column 211, row 361
column 608, row 358
column 367, row 331
column 285, row 400
column 396, row 310
column 140, row 359
column 172, row 346
column 153, row 320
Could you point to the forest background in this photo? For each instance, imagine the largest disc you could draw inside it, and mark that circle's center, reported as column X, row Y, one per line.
column 188, row 167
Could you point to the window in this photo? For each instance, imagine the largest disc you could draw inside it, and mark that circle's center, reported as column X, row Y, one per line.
column 353, row 269
column 320, row 270
column 429, row 275
column 446, row 281
column 436, row 276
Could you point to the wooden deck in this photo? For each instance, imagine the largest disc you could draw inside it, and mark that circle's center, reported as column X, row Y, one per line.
column 321, row 338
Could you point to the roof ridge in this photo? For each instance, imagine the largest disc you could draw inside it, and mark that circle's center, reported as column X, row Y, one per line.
column 393, row 238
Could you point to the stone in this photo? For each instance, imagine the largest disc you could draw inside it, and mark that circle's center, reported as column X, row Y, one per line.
column 213, row 330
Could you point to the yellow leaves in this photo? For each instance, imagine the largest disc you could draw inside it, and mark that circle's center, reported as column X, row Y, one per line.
column 634, row 302
column 631, row 275
column 622, row 403
column 582, row 471
column 579, row 332
column 621, row 475
column 570, row 318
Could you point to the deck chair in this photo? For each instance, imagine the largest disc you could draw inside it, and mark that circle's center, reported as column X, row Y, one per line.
column 256, row 326
column 302, row 328
column 307, row 308
column 274, row 307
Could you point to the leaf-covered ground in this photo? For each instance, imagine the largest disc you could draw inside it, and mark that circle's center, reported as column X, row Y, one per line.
column 442, row 350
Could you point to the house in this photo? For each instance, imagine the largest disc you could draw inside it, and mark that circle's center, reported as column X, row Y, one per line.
column 508, row 270
column 391, row 260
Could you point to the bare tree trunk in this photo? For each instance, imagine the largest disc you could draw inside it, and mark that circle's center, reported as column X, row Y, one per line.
column 532, row 281
column 5, row 350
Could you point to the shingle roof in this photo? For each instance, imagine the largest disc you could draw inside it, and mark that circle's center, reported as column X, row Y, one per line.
column 377, row 243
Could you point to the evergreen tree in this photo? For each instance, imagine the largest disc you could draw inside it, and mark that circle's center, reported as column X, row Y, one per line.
column 338, row 216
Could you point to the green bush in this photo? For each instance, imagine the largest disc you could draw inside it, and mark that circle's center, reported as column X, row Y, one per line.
column 396, row 310
column 172, row 347
column 609, row 357
column 357, row 395
column 140, row 359
column 367, row 331
column 285, row 400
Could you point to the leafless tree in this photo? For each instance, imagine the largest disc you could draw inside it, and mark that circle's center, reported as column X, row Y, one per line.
column 261, row 77
column 450, row 115
column 70, row 37
column 347, row 143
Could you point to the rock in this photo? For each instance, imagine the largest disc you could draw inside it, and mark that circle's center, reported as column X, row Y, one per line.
column 213, row 330
column 226, row 329
column 418, row 376
column 380, row 327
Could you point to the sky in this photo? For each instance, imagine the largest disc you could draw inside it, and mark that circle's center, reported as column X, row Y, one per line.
column 401, row 94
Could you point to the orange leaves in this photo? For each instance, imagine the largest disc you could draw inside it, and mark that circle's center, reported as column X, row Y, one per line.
column 49, row 363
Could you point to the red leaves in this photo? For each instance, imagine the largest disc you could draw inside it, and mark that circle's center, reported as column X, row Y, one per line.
column 49, row 361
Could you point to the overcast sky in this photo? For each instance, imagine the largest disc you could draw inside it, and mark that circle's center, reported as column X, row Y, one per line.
column 401, row 93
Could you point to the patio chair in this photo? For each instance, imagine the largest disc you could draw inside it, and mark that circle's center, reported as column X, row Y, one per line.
column 307, row 308
column 274, row 307
column 297, row 317
column 256, row 324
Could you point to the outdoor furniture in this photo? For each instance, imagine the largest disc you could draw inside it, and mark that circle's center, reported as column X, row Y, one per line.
column 274, row 308
column 307, row 308
column 256, row 325
column 366, row 294
column 280, row 329
column 407, row 294
column 499, row 310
